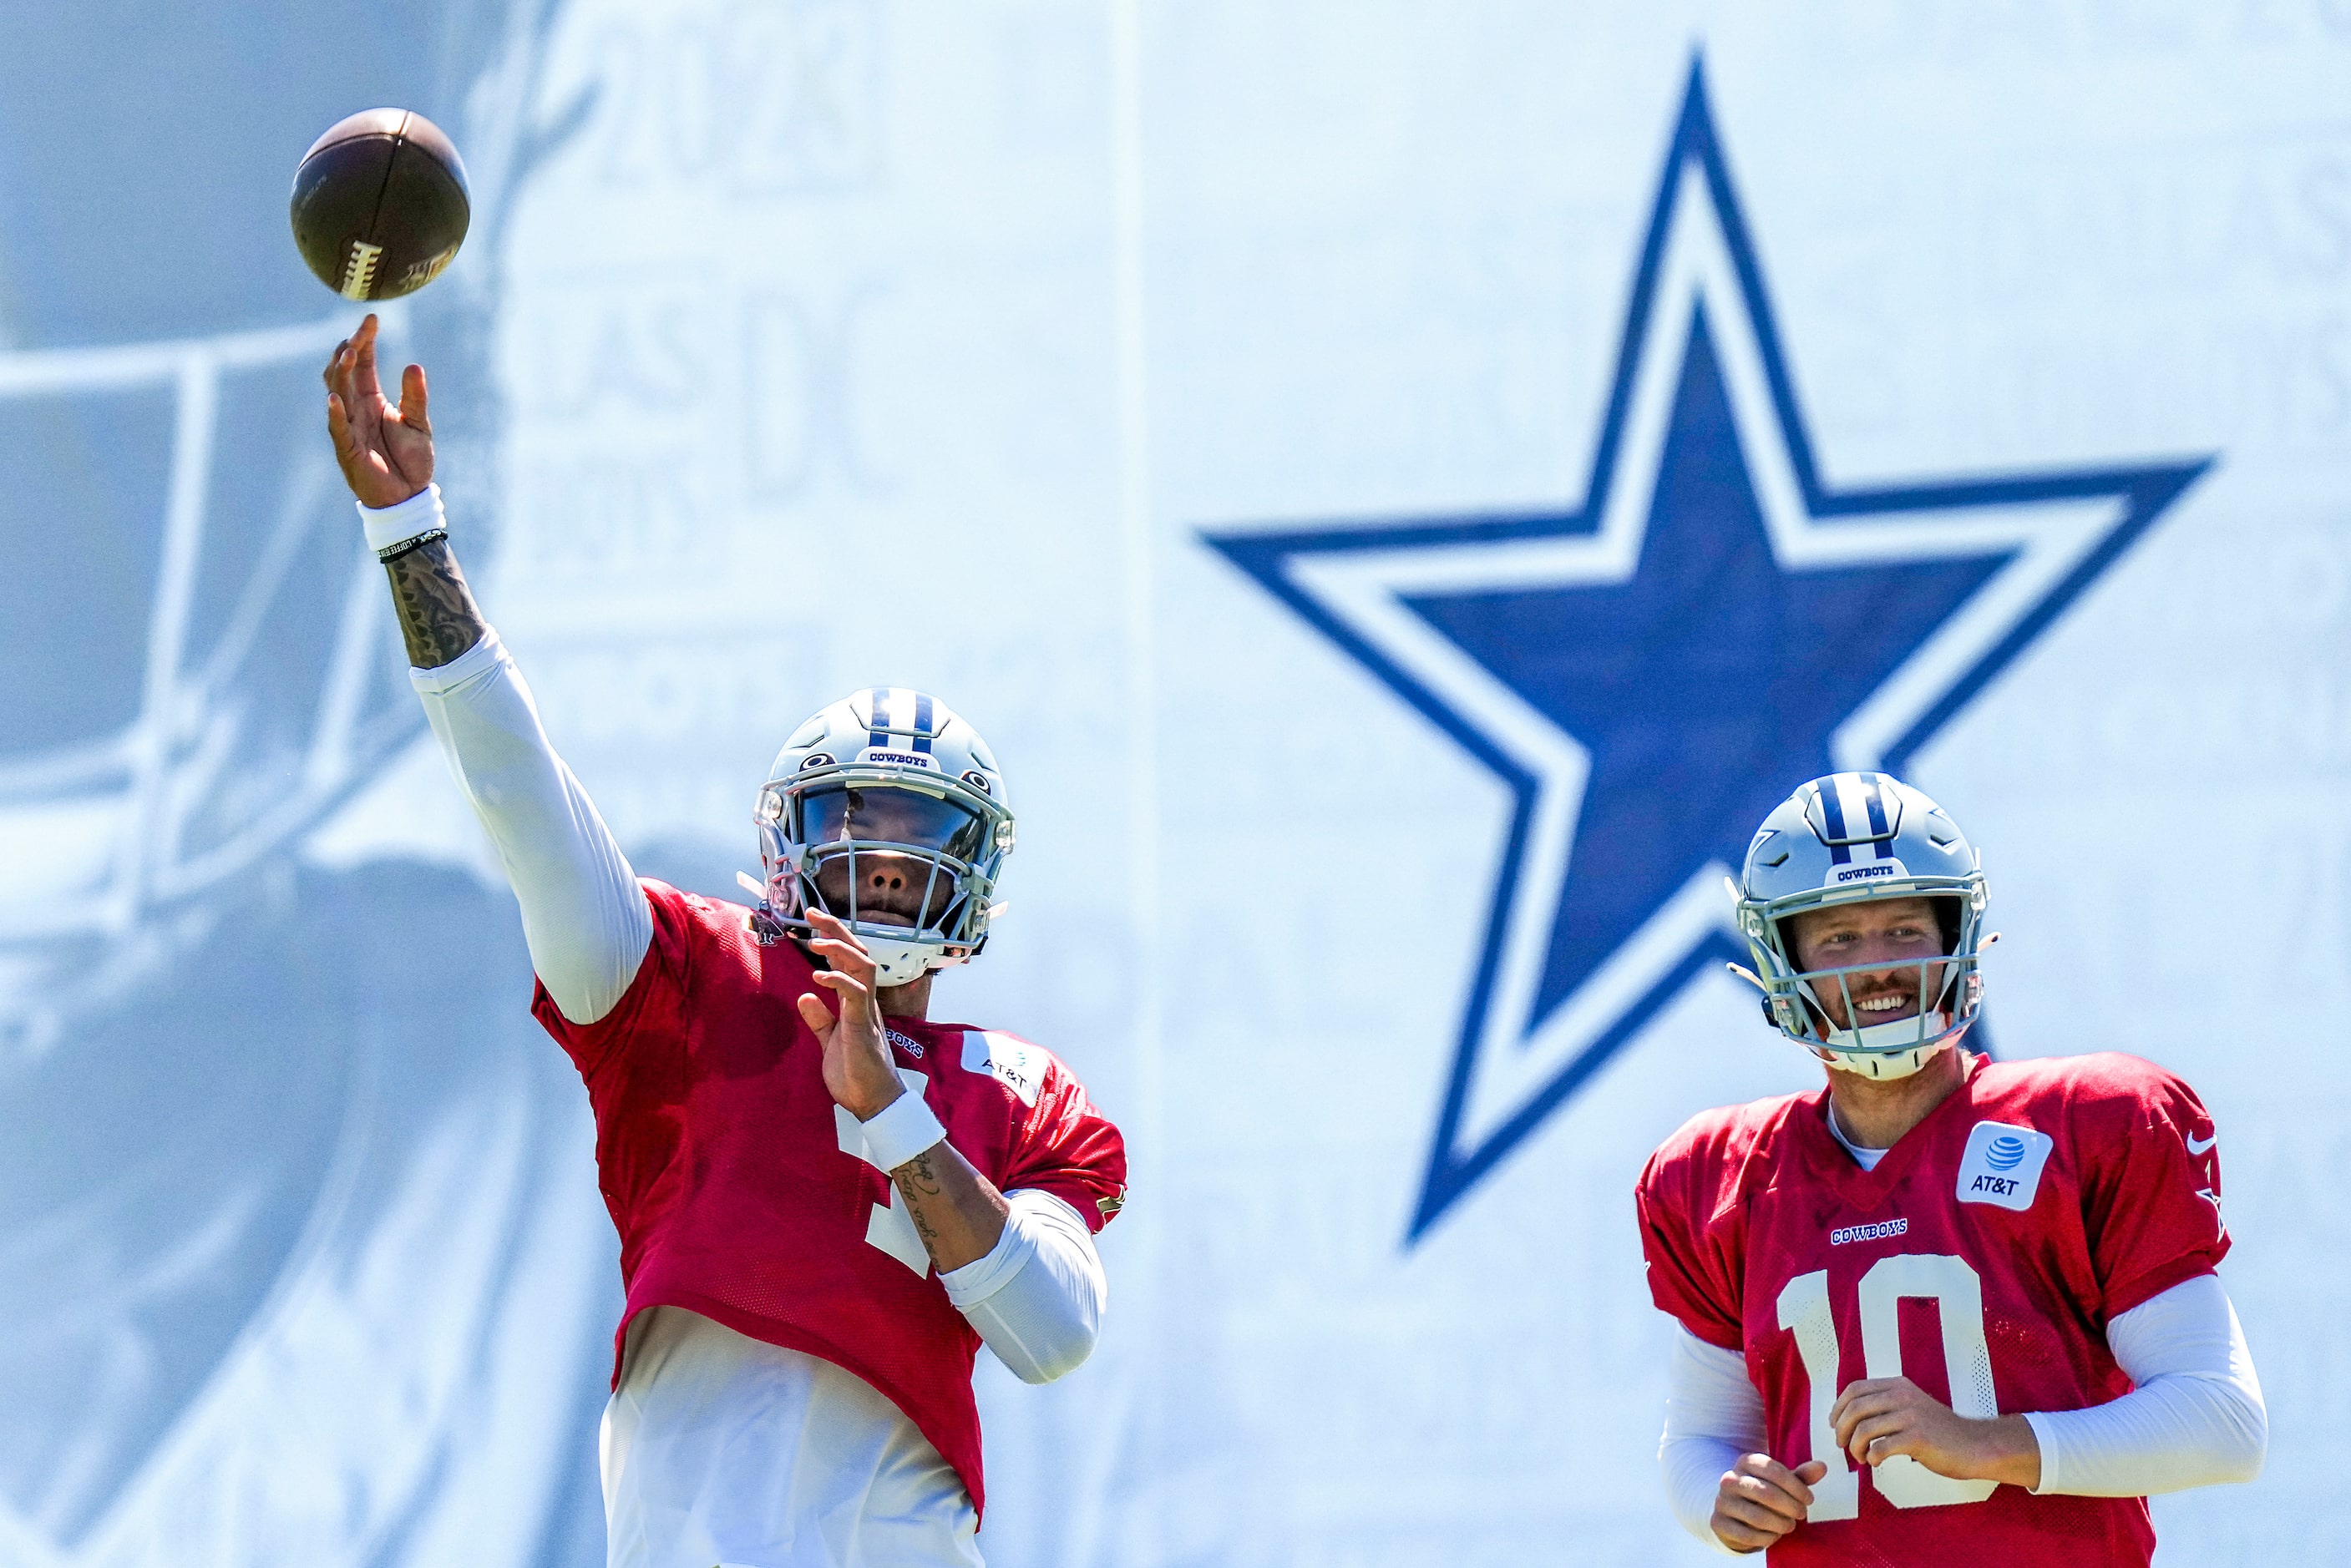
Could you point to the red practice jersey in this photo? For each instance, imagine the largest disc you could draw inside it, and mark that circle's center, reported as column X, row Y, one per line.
column 1982, row 1260
column 741, row 1191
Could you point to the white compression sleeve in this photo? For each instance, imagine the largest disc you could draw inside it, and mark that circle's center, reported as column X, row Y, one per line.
column 1713, row 1415
column 2196, row 1417
column 583, row 914
column 1038, row 1297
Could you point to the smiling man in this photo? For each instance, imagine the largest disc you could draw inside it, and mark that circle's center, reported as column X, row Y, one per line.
column 1942, row 1299
column 825, row 1206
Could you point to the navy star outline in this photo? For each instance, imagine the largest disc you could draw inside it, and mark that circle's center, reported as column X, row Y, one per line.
column 1638, row 762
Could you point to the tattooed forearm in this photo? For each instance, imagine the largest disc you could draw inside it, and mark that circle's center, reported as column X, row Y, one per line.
column 922, row 1225
column 438, row 618
column 917, row 1181
column 957, row 1212
column 917, row 1175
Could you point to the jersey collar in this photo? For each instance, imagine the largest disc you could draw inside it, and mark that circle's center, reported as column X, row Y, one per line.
column 1829, row 1155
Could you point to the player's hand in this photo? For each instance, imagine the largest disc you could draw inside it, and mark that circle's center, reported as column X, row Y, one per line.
column 1761, row 1499
column 385, row 452
column 857, row 1071
column 1879, row 1418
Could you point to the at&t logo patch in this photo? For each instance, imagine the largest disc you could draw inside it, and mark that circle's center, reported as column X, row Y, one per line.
column 2002, row 1164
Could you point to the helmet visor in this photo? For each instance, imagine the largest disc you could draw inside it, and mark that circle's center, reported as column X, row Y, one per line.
column 870, row 815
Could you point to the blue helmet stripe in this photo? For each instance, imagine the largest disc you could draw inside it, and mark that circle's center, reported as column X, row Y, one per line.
column 1874, row 804
column 1833, row 813
column 1878, row 829
column 923, row 723
column 877, row 703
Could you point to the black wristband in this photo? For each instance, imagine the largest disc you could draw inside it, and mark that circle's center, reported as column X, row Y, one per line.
column 392, row 553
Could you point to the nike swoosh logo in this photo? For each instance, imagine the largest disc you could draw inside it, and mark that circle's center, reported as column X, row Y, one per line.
column 2201, row 1149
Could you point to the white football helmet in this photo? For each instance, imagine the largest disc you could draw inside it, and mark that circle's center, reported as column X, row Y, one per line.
column 1863, row 836
column 887, row 810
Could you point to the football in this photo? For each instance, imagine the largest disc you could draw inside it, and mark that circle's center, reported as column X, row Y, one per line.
column 380, row 204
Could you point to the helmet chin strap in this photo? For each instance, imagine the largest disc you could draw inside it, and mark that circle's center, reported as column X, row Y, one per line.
column 1887, row 1051
column 900, row 962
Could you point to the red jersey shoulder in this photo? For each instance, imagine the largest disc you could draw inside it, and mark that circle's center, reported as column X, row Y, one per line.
column 1063, row 1144
column 1690, row 1200
column 2106, row 1094
column 692, row 920
column 2144, row 1161
column 1720, row 1153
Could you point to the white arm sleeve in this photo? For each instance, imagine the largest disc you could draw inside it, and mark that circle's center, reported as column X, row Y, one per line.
column 1038, row 1297
column 2196, row 1417
column 1713, row 1415
column 583, row 914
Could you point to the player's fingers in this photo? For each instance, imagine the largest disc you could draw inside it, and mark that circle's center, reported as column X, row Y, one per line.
column 1869, row 1426
column 1881, row 1450
column 1820, row 1473
column 337, row 373
column 361, row 411
column 843, row 957
column 1764, row 1467
column 832, row 931
column 1861, row 1389
column 847, row 986
column 363, row 358
column 832, row 925
column 814, row 1013
column 1873, row 1431
column 1767, row 1522
column 1771, row 1496
column 411, row 401
column 1855, row 1408
column 825, row 919
column 1741, row 1536
column 338, row 429
column 838, row 942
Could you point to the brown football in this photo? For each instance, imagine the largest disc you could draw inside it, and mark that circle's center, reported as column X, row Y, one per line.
column 380, row 204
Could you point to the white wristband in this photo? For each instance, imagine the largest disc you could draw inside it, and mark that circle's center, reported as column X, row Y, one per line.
column 904, row 1128
column 404, row 520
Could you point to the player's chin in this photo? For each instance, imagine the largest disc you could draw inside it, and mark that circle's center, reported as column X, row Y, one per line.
column 867, row 914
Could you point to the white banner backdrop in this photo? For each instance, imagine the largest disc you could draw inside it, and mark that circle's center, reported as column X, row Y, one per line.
column 1258, row 418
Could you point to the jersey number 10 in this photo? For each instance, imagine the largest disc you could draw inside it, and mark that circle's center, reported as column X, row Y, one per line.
column 1956, row 1292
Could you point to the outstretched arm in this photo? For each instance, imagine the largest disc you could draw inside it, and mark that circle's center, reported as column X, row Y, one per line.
column 385, row 452
column 438, row 618
column 583, row 914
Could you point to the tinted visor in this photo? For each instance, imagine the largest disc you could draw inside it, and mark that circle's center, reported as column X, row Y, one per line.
column 890, row 816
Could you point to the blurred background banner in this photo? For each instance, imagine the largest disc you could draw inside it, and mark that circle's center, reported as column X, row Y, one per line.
column 1403, row 489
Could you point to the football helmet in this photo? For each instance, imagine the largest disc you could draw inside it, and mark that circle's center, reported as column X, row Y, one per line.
column 887, row 810
column 1863, row 836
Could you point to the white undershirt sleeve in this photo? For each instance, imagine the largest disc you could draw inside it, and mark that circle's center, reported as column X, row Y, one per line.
column 2195, row 1419
column 1713, row 1415
column 584, row 912
column 1038, row 1297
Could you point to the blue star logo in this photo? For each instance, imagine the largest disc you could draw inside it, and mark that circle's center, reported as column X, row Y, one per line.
column 1651, row 672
